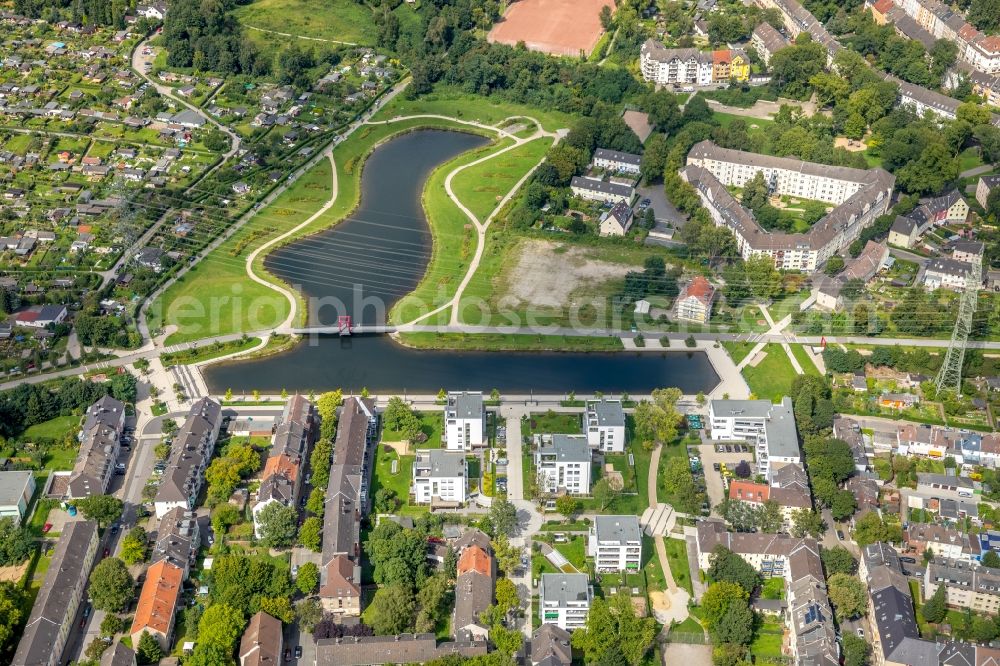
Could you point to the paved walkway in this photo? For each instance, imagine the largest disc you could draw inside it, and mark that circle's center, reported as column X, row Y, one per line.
column 288, row 34
column 674, row 604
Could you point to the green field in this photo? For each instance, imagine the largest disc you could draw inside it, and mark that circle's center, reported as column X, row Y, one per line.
column 677, row 557
column 509, row 342
column 453, row 102
column 208, row 352
column 333, row 20
column 55, row 429
column 454, row 244
column 481, row 187
column 738, row 350
column 431, row 424
column 802, row 356
column 771, row 378
column 200, row 302
column 398, row 482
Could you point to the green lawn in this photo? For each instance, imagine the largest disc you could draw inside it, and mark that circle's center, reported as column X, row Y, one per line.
column 454, row 245
column 431, row 424
column 60, row 459
column 339, row 20
column 725, row 118
column 767, row 643
column 208, row 352
column 802, row 356
column 677, row 557
column 202, row 304
column 737, row 350
column 547, row 423
column 453, row 102
column 398, row 482
column 575, row 551
column 771, row 378
column 54, row 429
column 651, row 565
column 482, row 186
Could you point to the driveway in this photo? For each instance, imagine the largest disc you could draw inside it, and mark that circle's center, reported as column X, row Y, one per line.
column 713, row 480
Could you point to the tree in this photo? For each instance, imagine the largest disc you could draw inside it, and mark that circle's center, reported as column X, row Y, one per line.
column 277, row 524
column 315, row 503
column 606, row 18
column 838, row 560
column 991, row 559
column 856, row 650
column 727, row 566
column 605, row 492
column 16, row 542
column 806, row 522
column 225, row 516
column 134, row 546
column 112, row 624
column 656, row 421
column 307, row 579
column 111, row 585
column 508, row 556
column 508, row 641
column 612, row 626
column 398, row 555
column 506, row 595
column 567, row 505
column 502, row 517
column 392, row 610
column 104, row 509
column 278, row 607
column 871, row 528
column 220, row 626
column 11, row 613
column 308, row 613
column 717, row 599
column 434, row 599
column 936, row 608
column 149, row 650
column 848, row 596
column 311, row 533
column 984, row 14
column 735, row 626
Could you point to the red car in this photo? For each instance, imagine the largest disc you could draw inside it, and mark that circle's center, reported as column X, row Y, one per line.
column 106, row 552
column 46, row 527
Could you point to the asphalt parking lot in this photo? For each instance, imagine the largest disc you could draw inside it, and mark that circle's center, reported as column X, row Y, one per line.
column 713, row 480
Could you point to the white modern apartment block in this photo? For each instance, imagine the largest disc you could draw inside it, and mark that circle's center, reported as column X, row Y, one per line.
column 859, row 196
column 770, row 427
column 664, row 66
column 615, row 543
column 564, row 464
column 464, row 421
column 564, row 600
column 439, row 476
column 613, row 160
column 606, row 425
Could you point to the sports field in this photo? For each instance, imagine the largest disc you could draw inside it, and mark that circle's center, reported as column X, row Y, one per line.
column 558, row 27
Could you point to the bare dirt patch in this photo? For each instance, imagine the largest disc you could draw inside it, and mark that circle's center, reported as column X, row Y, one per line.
column 850, row 145
column 558, row 27
column 547, row 274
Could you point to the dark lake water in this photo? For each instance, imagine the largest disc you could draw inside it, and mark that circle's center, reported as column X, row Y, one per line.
column 363, row 265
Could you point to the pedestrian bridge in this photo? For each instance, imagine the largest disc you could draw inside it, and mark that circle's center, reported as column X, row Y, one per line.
column 337, row 330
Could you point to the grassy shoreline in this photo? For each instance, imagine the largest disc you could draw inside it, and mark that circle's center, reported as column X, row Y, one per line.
column 508, row 342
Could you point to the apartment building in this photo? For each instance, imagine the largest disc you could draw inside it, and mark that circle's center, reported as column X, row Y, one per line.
column 475, row 580
column 192, row 449
column 398, row 649
column 605, row 421
column 694, row 302
column 617, row 221
column 985, row 187
column 177, row 539
column 16, row 489
column 346, row 504
column 860, row 197
column 156, row 610
column 262, row 641
column 53, row 614
column 550, row 646
column 464, row 422
column 943, row 272
column 564, row 600
column 691, row 67
column 769, row 427
column 767, row 41
column 790, row 499
column 281, row 480
column 942, row 541
column 981, row 52
column 439, row 477
column 967, row 584
column 813, row 638
column 99, row 447
column 599, row 190
column 563, row 464
column 797, row 19
column 615, row 543
column 617, row 161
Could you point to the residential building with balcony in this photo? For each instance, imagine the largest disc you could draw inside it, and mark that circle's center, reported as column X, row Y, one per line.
column 615, row 543
column 439, row 477
column 563, row 464
column 769, row 427
column 464, row 422
column 605, row 421
column 190, row 454
column 564, row 600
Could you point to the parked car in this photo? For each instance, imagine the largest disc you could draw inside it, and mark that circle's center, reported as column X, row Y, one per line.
column 107, row 551
column 288, row 654
column 715, row 466
column 298, row 651
column 861, row 632
column 840, row 534
column 46, row 527
column 908, row 560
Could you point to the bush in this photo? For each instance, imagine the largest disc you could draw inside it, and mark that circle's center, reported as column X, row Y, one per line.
column 690, row 341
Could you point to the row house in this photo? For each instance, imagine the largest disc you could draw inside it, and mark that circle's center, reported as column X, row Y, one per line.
column 691, row 67
column 190, row 454
column 789, row 500
column 281, row 480
column 100, row 439
column 942, row 541
column 967, row 584
column 475, row 582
